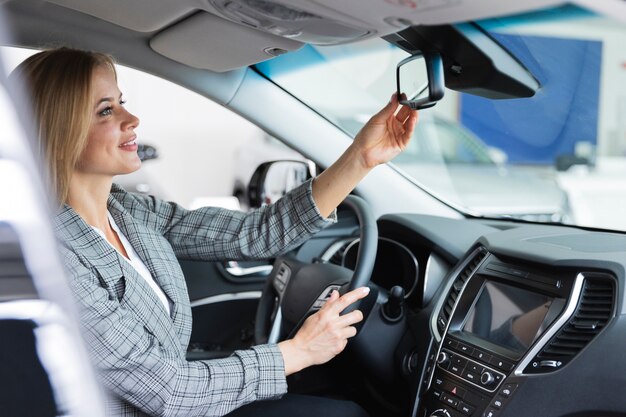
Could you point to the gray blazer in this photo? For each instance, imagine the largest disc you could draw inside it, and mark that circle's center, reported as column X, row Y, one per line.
column 138, row 348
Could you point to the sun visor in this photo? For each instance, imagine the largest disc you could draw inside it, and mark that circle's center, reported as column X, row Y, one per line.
column 207, row 41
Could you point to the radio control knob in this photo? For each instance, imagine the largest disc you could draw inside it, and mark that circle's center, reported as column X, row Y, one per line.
column 487, row 378
column 440, row 413
column 443, row 358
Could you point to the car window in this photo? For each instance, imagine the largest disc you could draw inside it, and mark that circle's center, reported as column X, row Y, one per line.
column 550, row 158
column 195, row 152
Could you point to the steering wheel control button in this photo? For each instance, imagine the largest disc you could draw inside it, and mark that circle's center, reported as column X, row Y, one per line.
column 321, row 300
column 282, row 278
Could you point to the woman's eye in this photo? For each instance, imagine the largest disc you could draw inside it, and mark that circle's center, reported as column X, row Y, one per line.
column 122, row 102
column 106, row 112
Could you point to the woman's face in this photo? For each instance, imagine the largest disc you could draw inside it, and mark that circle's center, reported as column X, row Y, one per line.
column 111, row 142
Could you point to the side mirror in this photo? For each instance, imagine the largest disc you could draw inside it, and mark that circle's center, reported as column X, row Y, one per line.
column 274, row 179
column 420, row 77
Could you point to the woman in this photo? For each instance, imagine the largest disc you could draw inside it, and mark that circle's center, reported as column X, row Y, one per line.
column 121, row 249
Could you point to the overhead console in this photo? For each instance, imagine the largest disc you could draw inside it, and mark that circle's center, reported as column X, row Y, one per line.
column 255, row 30
column 502, row 323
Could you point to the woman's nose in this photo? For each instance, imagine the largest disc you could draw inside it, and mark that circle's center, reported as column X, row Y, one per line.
column 131, row 121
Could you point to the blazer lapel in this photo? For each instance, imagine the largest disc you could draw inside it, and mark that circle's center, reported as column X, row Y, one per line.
column 89, row 246
column 158, row 256
column 111, row 267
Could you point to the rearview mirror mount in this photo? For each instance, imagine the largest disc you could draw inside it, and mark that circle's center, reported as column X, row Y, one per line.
column 420, row 77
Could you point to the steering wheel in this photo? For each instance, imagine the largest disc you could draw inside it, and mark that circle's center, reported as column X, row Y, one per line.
column 294, row 290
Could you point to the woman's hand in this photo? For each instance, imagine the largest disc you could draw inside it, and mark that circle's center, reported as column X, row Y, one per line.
column 386, row 134
column 382, row 138
column 324, row 334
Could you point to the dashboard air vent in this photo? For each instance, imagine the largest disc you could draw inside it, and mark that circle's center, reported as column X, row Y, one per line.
column 594, row 310
column 457, row 286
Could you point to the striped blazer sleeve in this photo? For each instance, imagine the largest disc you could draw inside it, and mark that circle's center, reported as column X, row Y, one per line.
column 217, row 234
column 158, row 380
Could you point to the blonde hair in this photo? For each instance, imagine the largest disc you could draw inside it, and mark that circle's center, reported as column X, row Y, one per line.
column 59, row 85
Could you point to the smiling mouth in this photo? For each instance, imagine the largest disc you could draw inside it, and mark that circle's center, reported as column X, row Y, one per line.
column 129, row 143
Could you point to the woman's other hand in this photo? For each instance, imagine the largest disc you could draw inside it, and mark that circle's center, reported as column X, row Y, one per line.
column 324, row 334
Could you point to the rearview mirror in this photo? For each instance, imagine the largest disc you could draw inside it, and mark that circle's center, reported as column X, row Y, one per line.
column 420, row 78
column 272, row 180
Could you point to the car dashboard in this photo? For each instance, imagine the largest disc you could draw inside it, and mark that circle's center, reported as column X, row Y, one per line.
column 502, row 318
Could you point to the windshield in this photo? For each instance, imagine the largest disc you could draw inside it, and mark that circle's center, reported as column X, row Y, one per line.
column 555, row 157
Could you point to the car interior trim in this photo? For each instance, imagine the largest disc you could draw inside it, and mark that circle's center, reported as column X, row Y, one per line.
column 408, row 291
column 570, row 308
column 238, row 271
column 236, row 296
column 446, row 290
column 186, row 43
column 276, row 325
column 436, row 271
column 335, row 248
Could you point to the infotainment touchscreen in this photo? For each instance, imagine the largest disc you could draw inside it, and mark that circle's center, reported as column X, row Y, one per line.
column 508, row 316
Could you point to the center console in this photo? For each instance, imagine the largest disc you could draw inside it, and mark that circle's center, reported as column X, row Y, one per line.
column 494, row 326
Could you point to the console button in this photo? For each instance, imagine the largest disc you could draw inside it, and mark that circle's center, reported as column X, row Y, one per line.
column 498, row 379
column 452, row 344
column 443, row 360
column 455, row 369
column 459, row 360
column 472, row 377
column 437, row 393
column 462, row 347
column 438, row 382
column 490, row 412
column 502, row 364
column 480, row 355
column 454, row 389
column 451, row 401
column 487, row 378
column 497, row 404
column 475, row 368
column 465, row 408
column 507, row 390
